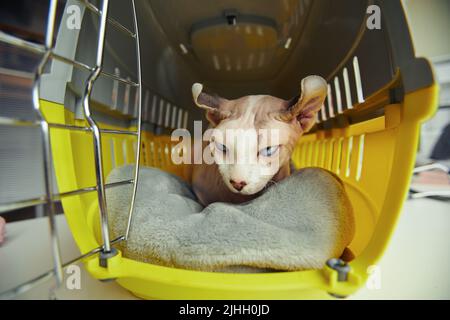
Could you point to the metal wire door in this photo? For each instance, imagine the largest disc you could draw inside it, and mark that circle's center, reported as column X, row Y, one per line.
column 47, row 52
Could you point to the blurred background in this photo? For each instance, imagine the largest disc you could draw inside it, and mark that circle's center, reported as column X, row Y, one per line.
column 429, row 25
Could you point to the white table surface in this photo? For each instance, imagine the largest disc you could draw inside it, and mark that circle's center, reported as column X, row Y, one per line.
column 415, row 266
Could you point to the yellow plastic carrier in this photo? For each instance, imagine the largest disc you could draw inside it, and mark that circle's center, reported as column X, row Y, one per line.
column 374, row 158
column 370, row 144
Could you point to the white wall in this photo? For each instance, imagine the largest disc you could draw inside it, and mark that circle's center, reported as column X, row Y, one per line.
column 429, row 23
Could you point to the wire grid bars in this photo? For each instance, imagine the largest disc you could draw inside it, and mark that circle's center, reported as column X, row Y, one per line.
column 47, row 52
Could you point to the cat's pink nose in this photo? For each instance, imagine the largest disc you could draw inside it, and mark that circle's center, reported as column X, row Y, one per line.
column 238, row 185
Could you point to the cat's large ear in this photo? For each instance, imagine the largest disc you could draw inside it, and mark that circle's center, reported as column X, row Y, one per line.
column 313, row 91
column 212, row 103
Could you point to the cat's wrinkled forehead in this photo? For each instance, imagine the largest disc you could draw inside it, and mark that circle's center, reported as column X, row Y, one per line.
column 301, row 109
column 254, row 110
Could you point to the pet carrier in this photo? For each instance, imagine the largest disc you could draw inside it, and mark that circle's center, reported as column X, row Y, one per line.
column 93, row 110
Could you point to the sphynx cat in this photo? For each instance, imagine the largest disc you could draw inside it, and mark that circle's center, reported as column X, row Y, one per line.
column 252, row 141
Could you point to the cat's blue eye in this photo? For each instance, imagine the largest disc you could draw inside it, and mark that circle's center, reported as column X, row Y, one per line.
column 269, row 151
column 221, row 147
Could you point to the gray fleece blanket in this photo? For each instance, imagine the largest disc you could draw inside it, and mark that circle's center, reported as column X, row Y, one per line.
column 297, row 224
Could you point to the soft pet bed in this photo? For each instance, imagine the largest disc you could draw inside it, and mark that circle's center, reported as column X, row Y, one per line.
column 297, row 224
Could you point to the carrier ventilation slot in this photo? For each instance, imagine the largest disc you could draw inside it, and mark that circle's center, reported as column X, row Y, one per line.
column 360, row 157
column 167, row 115
column 348, row 157
column 161, row 112
column 342, row 155
column 146, row 109
column 125, row 151
column 359, row 90
column 324, row 153
column 330, row 154
column 186, row 118
column 330, row 102
column 322, row 113
column 339, row 156
column 174, row 117
column 180, row 118
column 348, row 95
column 113, row 156
column 337, row 91
column 153, row 113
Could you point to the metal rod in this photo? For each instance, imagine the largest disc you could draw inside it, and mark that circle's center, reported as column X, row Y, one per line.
column 358, row 81
column 88, row 129
column 77, row 64
column 48, row 53
column 9, row 206
column 96, row 130
column 86, row 67
column 93, row 188
column 111, row 131
column 19, row 122
column 69, row 127
column 50, row 25
column 4, row 207
column 37, row 48
column 115, row 77
column 24, row 287
column 113, row 22
column 139, row 122
column 14, row 292
column 20, row 43
column 16, row 73
column 45, row 134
